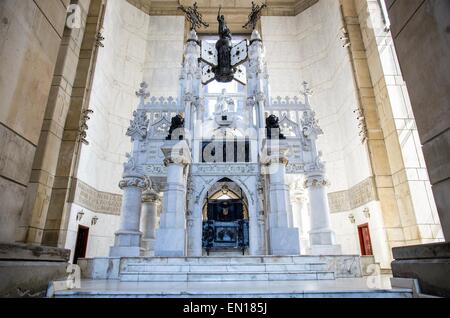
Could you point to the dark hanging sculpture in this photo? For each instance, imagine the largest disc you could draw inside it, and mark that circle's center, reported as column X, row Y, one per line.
column 194, row 17
column 254, row 16
column 224, row 71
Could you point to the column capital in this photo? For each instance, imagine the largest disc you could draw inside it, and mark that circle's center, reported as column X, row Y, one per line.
column 150, row 196
column 176, row 152
column 137, row 182
column 316, row 181
column 275, row 151
column 299, row 197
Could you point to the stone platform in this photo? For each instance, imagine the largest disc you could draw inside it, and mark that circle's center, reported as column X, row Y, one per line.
column 338, row 288
column 221, row 268
column 25, row 270
column 232, row 277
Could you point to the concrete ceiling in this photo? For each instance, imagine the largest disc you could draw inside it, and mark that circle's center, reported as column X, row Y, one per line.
column 236, row 11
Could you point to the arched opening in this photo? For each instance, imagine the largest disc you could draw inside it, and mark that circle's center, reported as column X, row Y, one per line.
column 225, row 218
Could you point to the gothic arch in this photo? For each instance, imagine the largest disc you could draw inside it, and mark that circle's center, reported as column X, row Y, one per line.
column 208, row 185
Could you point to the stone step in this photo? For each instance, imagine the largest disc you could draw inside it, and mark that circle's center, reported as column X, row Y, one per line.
column 225, row 276
column 394, row 293
column 141, row 267
column 247, row 260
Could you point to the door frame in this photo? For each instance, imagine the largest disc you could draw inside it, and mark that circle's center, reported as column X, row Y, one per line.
column 76, row 254
column 362, row 244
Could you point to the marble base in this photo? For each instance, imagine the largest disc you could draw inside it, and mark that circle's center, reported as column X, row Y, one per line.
column 127, row 244
column 124, row 251
column 322, row 237
column 100, row 267
column 170, row 242
column 325, row 250
column 148, row 245
column 284, row 241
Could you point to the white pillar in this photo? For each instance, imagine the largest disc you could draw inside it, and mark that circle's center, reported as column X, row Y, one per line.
column 128, row 238
column 261, row 234
column 257, row 83
column 284, row 240
column 300, row 218
column 171, row 235
column 322, row 237
column 195, row 232
column 150, row 205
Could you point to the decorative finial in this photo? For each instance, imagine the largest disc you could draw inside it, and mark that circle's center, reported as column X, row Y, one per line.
column 306, row 91
column 142, row 93
column 194, row 17
column 254, row 16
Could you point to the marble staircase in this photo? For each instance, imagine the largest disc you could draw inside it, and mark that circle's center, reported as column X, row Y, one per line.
column 223, row 269
column 231, row 277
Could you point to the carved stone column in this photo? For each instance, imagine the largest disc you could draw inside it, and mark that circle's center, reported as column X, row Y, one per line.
column 257, row 82
column 150, row 206
column 299, row 202
column 128, row 238
column 261, row 217
column 322, row 237
column 193, row 223
column 190, row 79
column 283, row 239
column 171, row 235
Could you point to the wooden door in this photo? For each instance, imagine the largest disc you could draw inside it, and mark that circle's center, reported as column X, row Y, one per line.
column 81, row 245
column 364, row 239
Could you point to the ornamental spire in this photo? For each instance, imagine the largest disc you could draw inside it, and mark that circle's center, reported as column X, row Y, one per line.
column 143, row 93
column 306, row 92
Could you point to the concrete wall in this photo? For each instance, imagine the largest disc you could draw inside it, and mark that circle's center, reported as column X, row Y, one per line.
column 30, row 37
column 34, row 212
column 137, row 47
column 307, row 47
column 418, row 214
column 420, row 32
column 164, row 54
column 366, row 75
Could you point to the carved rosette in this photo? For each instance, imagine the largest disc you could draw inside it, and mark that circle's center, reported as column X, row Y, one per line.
column 316, row 181
column 310, row 125
column 136, row 182
column 138, row 126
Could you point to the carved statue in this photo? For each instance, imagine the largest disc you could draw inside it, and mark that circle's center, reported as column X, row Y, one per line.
column 224, row 72
column 194, row 17
column 273, row 126
column 254, row 16
column 177, row 123
column 224, row 104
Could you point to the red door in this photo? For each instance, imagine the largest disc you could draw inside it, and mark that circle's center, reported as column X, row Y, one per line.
column 364, row 239
column 81, row 245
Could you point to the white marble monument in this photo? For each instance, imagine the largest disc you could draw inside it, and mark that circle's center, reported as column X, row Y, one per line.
column 228, row 159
